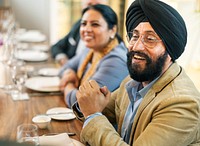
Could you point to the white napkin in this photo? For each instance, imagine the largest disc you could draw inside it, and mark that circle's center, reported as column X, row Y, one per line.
column 58, row 140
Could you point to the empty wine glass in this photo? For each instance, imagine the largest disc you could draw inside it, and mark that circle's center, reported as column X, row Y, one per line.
column 19, row 76
column 6, row 50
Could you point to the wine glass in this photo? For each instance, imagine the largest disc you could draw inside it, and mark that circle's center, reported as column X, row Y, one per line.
column 28, row 134
column 6, row 57
column 19, row 76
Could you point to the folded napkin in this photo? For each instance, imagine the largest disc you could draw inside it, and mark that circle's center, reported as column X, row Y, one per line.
column 58, row 140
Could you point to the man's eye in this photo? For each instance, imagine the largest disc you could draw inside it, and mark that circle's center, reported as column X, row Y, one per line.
column 135, row 37
column 150, row 38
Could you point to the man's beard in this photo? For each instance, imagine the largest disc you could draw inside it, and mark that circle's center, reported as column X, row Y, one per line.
column 152, row 69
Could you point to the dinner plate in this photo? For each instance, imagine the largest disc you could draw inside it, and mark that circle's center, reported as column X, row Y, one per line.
column 43, row 84
column 63, row 116
column 32, row 36
column 40, row 47
column 49, row 71
column 31, row 55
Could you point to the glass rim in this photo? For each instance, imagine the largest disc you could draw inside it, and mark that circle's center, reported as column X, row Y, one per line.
column 27, row 127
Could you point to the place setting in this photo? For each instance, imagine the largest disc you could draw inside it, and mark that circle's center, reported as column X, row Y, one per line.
column 32, row 55
column 31, row 47
column 43, row 84
column 28, row 134
column 32, row 52
column 49, row 71
column 43, row 121
column 56, row 113
column 31, row 36
column 44, row 81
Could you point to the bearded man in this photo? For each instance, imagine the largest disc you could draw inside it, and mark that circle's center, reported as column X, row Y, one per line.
column 158, row 104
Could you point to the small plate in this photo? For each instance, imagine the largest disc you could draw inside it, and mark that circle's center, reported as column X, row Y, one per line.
column 29, row 55
column 44, row 84
column 61, row 116
column 48, row 71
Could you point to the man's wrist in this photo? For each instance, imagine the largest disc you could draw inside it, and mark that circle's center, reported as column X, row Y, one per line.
column 90, row 117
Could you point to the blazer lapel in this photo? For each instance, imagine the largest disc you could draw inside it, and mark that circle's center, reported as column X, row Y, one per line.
column 173, row 71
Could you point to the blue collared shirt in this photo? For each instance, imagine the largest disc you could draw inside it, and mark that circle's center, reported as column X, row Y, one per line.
column 136, row 93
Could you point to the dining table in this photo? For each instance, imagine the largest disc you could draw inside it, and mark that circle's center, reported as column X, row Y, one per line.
column 16, row 112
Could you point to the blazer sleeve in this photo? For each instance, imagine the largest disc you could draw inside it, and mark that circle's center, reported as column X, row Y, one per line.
column 100, row 132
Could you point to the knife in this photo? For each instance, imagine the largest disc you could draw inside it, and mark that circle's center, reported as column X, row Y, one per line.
column 59, row 113
column 68, row 133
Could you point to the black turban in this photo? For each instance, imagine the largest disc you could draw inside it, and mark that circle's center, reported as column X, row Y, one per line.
column 165, row 20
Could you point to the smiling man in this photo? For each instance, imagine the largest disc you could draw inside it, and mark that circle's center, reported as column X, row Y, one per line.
column 158, row 105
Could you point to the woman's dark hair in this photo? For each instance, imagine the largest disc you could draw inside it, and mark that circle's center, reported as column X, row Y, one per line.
column 108, row 14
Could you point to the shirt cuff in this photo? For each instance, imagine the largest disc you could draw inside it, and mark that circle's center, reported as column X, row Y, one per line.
column 71, row 98
column 90, row 117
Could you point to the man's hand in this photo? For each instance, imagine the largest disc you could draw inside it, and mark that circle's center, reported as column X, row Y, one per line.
column 92, row 98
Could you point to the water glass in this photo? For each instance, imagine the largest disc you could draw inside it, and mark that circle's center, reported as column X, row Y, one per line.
column 19, row 76
column 28, row 134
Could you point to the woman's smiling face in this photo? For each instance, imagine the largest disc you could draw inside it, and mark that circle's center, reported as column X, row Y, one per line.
column 94, row 30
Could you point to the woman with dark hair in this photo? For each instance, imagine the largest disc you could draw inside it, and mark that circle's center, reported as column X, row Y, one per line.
column 104, row 59
column 70, row 45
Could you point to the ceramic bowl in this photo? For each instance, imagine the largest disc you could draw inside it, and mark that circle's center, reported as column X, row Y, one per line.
column 42, row 121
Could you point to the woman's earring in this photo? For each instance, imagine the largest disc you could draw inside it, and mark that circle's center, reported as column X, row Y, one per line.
column 112, row 37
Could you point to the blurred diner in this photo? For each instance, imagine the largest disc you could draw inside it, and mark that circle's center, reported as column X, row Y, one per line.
column 104, row 59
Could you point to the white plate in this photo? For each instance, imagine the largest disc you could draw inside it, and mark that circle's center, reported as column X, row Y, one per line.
column 30, row 55
column 40, row 47
column 44, row 84
column 48, row 71
column 32, row 36
column 61, row 116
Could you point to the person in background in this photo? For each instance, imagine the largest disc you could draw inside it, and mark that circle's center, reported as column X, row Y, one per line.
column 158, row 104
column 68, row 46
column 104, row 59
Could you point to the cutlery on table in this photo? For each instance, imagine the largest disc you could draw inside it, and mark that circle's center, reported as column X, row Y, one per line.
column 45, row 94
column 57, row 113
column 51, row 134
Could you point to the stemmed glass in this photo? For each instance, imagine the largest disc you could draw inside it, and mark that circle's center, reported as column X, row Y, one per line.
column 6, row 57
column 8, row 45
column 19, row 76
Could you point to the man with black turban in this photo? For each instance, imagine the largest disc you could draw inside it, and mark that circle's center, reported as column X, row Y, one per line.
column 158, row 104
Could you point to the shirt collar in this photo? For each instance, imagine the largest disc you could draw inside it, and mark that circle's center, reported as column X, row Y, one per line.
column 132, row 89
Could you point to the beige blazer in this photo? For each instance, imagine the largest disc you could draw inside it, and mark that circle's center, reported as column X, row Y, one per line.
column 169, row 115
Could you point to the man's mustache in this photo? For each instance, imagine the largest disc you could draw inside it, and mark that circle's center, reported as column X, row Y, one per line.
column 131, row 54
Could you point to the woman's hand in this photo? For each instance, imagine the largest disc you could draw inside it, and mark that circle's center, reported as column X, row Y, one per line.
column 92, row 98
column 62, row 61
column 69, row 76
